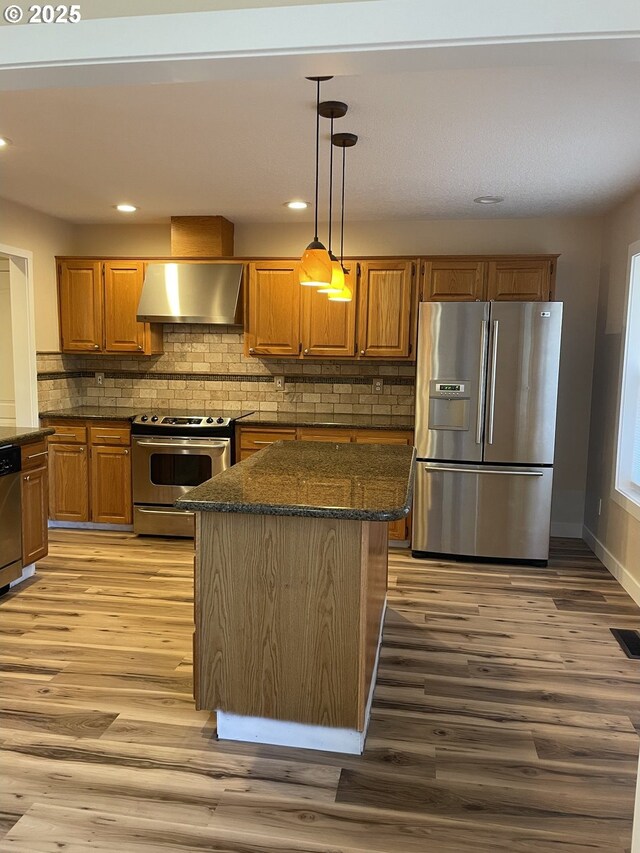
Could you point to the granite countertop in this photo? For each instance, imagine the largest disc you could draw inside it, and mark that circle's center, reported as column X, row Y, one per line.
column 303, row 419
column 367, row 482
column 22, row 435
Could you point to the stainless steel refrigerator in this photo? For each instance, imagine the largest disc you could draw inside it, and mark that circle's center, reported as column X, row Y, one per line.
column 486, row 392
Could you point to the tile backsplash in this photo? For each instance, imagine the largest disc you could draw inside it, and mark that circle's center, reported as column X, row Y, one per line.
column 203, row 367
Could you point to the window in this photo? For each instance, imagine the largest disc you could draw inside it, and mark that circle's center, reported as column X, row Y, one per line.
column 628, row 463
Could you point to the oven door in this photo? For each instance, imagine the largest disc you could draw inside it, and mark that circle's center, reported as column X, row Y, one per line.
column 165, row 468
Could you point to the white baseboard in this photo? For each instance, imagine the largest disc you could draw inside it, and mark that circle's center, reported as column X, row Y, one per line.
column 566, row 529
column 27, row 572
column 620, row 572
column 300, row 735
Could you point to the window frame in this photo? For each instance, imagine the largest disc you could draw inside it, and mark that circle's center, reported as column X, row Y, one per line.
column 623, row 492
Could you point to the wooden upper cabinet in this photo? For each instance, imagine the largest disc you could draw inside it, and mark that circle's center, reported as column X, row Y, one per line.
column 80, row 298
column 273, row 299
column 521, row 280
column 329, row 328
column 122, row 289
column 385, row 304
column 453, row 280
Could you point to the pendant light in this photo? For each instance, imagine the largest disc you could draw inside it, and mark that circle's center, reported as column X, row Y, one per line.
column 315, row 264
column 344, row 141
column 332, row 110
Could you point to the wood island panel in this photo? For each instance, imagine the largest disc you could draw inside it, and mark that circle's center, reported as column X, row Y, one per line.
column 315, row 590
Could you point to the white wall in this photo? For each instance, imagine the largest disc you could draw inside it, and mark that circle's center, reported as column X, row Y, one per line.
column 615, row 533
column 46, row 237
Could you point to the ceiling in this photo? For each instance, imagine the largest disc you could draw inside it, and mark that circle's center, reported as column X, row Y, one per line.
column 551, row 139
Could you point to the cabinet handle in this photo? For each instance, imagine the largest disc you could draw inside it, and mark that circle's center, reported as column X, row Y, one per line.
column 64, row 435
column 263, row 442
column 35, row 455
column 126, row 453
column 251, row 349
column 107, row 437
column 27, row 478
column 96, row 346
column 361, row 352
column 140, row 347
column 306, row 352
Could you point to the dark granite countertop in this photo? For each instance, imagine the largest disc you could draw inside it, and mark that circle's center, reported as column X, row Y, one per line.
column 367, row 482
column 22, row 435
column 103, row 413
column 303, row 419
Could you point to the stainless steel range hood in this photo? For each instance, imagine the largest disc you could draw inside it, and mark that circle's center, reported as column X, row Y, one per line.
column 192, row 293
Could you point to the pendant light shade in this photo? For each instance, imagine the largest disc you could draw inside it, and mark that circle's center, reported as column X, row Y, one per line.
column 315, row 264
column 337, row 277
column 345, row 294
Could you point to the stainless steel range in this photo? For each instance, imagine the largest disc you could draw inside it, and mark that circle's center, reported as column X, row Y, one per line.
column 171, row 455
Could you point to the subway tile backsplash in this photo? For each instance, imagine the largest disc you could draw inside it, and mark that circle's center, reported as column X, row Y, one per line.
column 203, row 367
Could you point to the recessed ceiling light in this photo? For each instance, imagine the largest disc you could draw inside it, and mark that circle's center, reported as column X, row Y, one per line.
column 126, row 208
column 296, row 205
column 4, row 142
column 488, row 199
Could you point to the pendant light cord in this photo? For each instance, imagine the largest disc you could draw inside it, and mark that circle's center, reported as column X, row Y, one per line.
column 344, row 160
column 317, row 155
column 330, row 183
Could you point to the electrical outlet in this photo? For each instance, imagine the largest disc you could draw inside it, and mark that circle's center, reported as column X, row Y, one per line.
column 377, row 386
column 278, row 381
column 600, row 507
column 100, row 378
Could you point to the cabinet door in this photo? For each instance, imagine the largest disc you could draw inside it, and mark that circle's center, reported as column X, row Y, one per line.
column 273, row 309
column 122, row 289
column 111, row 500
column 453, row 280
column 68, row 482
column 81, row 310
column 520, row 280
column 385, row 309
column 400, row 529
column 34, row 491
column 329, row 328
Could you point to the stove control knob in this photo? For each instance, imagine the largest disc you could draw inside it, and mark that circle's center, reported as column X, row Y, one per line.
column 219, row 420
column 154, row 418
column 209, row 420
column 144, row 418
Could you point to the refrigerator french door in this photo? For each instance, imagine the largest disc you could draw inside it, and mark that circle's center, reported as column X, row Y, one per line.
column 486, row 395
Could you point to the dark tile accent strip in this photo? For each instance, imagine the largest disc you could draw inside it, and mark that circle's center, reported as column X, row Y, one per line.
column 308, row 379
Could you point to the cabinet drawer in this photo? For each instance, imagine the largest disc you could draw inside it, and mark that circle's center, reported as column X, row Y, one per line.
column 257, row 439
column 339, row 436
column 34, row 455
column 115, row 436
column 68, row 433
column 383, row 436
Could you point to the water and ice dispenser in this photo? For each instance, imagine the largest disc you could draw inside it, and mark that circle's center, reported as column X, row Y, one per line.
column 449, row 404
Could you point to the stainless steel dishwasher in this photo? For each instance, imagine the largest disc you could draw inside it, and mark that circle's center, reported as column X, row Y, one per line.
column 10, row 516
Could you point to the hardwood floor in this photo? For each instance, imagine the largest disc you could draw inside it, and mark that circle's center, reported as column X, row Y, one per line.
column 505, row 720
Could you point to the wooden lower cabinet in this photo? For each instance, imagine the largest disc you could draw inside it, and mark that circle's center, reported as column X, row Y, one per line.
column 34, row 494
column 90, row 472
column 111, row 501
column 68, row 482
column 250, row 440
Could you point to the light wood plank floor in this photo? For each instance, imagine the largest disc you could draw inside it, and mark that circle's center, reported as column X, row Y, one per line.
column 505, row 719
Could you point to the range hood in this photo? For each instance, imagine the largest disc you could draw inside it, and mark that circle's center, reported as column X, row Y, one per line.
column 192, row 293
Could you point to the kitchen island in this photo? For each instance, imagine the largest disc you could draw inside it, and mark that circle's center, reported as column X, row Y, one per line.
column 290, row 589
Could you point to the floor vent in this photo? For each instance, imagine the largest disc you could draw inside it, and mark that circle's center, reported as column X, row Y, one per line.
column 629, row 641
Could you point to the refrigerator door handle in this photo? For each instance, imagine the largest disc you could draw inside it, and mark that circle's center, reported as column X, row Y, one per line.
column 514, row 472
column 482, row 382
column 492, row 386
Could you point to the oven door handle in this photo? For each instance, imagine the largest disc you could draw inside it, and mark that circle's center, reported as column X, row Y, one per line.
column 183, row 446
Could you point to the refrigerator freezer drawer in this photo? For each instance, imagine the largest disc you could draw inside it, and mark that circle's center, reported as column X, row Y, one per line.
column 482, row 511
